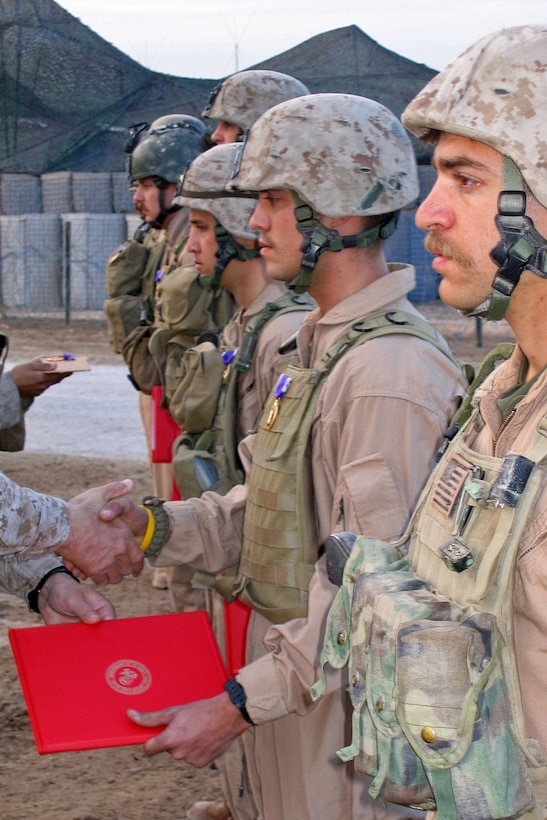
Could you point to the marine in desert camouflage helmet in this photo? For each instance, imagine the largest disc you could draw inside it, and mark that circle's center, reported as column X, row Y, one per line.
column 203, row 187
column 340, row 155
column 161, row 151
column 243, row 97
column 496, row 93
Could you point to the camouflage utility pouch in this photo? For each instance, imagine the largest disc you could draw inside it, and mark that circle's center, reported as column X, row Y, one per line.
column 432, row 722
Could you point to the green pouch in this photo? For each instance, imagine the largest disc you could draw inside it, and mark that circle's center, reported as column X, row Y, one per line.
column 182, row 301
column 193, row 384
column 123, row 315
column 199, row 466
column 142, row 367
column 125, row 268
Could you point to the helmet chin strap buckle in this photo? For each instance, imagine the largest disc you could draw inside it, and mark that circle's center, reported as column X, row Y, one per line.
column 521, row 246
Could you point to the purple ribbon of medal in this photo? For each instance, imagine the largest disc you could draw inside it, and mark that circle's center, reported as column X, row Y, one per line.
column 282, row 386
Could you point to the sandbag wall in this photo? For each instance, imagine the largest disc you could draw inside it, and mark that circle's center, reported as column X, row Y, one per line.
column 56, row 234
column 57, row 231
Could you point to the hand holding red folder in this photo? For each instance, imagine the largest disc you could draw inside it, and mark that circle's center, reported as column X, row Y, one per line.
column 62, row 600
column 90, row 675
column 195, row 732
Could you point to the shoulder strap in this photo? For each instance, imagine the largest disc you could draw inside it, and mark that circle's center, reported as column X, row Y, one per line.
column 499, row 354
column 288, row 303
column 384, row 323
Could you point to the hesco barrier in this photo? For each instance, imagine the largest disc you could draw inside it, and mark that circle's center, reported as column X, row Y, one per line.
column 58, row 230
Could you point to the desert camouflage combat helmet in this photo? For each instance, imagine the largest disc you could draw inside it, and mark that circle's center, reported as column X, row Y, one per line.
column 203, row 187
column 166, row 147
column 340, row 155
column 496, row 93
column 243, row 97
column 344, row 155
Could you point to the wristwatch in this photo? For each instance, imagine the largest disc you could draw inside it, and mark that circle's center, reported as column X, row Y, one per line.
column 237, row 695
column 162, row 529
column 32, row 597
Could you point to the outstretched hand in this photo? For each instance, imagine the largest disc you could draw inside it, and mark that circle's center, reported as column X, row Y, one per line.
column 196, row 732
column 62, row 600
column 104, row 552
column 34, row 377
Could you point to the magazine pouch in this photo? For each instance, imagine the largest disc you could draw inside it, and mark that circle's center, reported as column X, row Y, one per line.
column 194, row 387
column 123, row 315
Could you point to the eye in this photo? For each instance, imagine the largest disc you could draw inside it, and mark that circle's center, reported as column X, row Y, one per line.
column 466, row 182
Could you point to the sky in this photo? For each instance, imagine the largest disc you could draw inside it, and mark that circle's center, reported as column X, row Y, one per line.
column 213, row 38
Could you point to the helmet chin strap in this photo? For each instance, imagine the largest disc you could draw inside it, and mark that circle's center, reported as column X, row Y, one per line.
column 228, row 249
column 521, row 246
column 164, row 212
column 318, row 238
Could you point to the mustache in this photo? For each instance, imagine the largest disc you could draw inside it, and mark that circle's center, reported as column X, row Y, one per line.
column 439, row 246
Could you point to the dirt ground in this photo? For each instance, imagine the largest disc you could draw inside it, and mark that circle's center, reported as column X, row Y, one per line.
column 114, row 783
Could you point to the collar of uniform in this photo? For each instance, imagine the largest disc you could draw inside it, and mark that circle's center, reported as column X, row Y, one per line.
column 389, row 291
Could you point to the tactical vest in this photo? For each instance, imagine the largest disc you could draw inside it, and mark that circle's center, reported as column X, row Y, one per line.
column 205, row 455
column 280, row 538
column 437, row 715
column 130, row 283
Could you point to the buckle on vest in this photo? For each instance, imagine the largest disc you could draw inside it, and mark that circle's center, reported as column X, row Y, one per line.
column 456, row 555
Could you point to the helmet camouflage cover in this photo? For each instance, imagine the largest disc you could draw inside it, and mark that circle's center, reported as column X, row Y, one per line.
column 203, row 186
column 166, row 147
column 243, row 97
column 344, row 155
column 495, row 93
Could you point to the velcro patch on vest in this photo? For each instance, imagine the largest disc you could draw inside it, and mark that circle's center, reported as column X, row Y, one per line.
column 450, row 483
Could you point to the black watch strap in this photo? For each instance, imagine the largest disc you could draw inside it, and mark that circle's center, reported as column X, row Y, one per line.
column 237, row 695
column 32, row 597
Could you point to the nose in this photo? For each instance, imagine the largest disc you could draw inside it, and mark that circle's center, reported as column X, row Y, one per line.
column 192, row 245
column 258, row 221
column 435, row 210
column 218, row 135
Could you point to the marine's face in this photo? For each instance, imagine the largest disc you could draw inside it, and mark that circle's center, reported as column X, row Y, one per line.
column 225, row 132
column 279, row 237
column 202, row 241
column 459, row 216
column 147, row 198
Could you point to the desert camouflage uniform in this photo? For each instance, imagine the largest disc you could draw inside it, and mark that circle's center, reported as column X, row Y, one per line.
column 372, row 475
column 31, row 524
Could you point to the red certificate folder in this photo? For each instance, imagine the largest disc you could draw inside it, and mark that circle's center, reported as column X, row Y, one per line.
column 78, row 679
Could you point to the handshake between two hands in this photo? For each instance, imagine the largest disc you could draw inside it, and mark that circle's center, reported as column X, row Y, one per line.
column 106, row 530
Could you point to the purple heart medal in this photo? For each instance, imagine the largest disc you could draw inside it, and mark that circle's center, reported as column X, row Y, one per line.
column 227, row 357
column 283, row 384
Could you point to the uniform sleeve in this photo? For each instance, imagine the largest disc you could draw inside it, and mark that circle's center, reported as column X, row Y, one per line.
column 19, row 577
column 278, row 683
column 30, row 523
column 206, row 532
column 10, row 402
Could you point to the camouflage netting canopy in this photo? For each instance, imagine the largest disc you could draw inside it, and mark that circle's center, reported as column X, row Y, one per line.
column 67, row 95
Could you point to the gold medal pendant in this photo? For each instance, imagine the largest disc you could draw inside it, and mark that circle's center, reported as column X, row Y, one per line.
column 283, row 384
column 272, row 415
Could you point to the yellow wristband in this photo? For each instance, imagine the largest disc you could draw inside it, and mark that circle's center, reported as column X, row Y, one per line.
column 150, row 529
